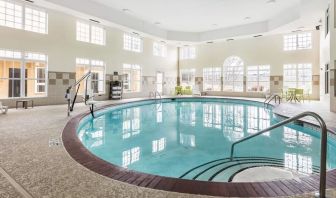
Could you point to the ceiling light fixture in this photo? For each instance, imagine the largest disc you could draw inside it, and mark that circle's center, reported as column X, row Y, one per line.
column 247, row 18
column 30, row 1
column 256, row 36
column 157, row 23
column 271, row 1
column 230, row 40
column 210, row 42
column 296, row 31
column 125, row 10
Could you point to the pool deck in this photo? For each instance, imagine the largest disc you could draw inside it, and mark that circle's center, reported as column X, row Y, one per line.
column 30, row 168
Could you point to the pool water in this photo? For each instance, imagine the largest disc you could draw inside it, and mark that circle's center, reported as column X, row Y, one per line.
column 171, row 137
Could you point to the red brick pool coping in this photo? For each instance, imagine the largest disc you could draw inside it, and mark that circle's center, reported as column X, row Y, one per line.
column 84, row 157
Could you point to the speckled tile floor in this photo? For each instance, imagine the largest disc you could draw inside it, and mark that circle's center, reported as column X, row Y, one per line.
column 45, row 171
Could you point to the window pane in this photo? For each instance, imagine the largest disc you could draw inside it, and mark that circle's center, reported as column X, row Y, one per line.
column 233, row 74
column 35, row 20
column 132, row 78
column 187, row 53
column 10, row 14
column 97, row 35
column 132, row 42
column 83, row 32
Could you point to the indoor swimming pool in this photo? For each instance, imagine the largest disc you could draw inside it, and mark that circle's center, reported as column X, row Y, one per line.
column 190, row 138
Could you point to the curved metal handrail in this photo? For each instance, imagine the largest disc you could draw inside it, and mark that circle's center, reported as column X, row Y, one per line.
column 154, row 94
column 324, row 138
column 274, row 96
column 157, row 93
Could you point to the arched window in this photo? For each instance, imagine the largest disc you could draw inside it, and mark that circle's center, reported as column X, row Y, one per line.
column 233, row 74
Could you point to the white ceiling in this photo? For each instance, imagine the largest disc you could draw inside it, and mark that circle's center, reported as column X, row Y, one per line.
column 193, row 20
column 201, row 15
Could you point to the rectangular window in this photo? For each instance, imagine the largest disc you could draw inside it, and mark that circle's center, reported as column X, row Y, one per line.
column 132, row 78
column 159, row 49
column 36, row 20
column 97, row 69
column 90, row 33
column 258, row 78
column 212, row 79
column 187, row 53
column 11, row 14
column 188, row 77
column 35, row 74
column 23, row 76
column 298, row 76
column 133, row 42
column 97, row 35
column 298, row 41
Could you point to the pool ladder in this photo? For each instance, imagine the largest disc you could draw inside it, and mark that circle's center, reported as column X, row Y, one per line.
column 324, row 138
column 154, row 94
column 271, row 97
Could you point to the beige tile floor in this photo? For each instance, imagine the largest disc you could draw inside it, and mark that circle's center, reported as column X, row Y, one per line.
column 43, row 171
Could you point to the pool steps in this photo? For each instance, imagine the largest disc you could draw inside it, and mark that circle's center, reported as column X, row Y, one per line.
column 223, row 170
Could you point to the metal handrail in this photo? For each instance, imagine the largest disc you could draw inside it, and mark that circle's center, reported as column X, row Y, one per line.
column 71, row 102
column 274, row 96
column 154, row 94
column 324, row 138
column 157, row 93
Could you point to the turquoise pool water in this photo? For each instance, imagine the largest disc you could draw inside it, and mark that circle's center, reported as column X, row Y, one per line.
column 170, row 137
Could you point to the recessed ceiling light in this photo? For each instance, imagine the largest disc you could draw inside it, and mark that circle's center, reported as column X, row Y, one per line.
column 296, row 31
column 125, row 10
column 256, row 36
column 30, row 1
column 247, row 18
column 230, row 39
column 157, row 23
column 210, row 42
column 271, row 1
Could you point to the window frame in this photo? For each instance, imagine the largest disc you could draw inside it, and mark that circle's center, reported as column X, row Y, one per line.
column 130, row 70
column 21, row 57
column 90, row 37
column 187, row 53
column 191, row 77
column 40, row 10
column 22, row 18
column 159, row 49
column 233, row 68
column 298, row 41
column 296, row 70
column 210, row 77
column 88, row 65
column 130, row 42
column 258, row 81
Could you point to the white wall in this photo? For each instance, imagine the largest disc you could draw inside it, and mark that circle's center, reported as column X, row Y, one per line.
column 267, row 50
column 62, row 48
